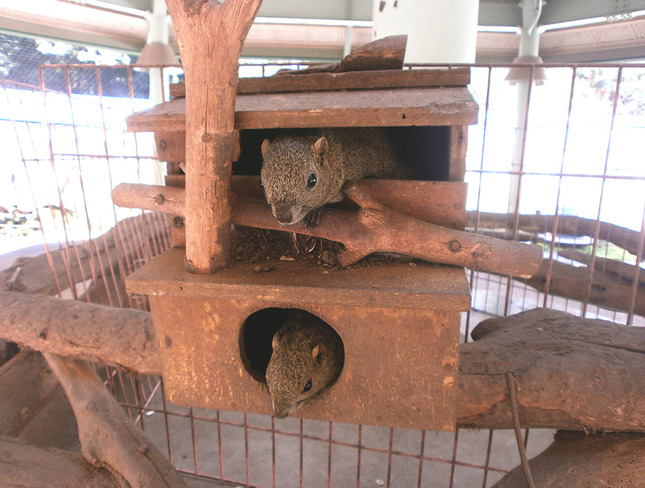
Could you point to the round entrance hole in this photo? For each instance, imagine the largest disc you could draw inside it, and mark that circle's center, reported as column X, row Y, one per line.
column 257, row 333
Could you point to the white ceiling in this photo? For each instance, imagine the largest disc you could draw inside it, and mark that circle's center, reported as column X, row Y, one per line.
column 287, row 28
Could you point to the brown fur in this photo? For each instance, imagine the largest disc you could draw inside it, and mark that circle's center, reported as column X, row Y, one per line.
column 305, row 349
column 333, row 156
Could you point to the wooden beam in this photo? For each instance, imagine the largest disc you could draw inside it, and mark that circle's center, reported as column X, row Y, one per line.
column 118, row 336
column 210, row 37
column 358, row 108
column 572, row 373
column 296, row 81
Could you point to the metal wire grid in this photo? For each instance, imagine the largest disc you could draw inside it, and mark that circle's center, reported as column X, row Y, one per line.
column 255, row 450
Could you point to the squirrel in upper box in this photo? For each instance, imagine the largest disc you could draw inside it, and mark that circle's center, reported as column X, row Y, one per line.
column 305, row 169
column 307, row 358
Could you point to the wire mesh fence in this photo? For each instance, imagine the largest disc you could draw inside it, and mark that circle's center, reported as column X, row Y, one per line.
column 559, row 164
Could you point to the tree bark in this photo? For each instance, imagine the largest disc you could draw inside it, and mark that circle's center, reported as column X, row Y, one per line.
column 572, row 373
column 575, row 460
column 210, row 36
column 566, row 224
column 25, row 466
column 26, row 386
column 118, row 336
column 108, row 438
column 374, row 228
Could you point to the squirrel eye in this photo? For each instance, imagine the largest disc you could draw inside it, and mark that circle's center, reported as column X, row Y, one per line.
column 307, row 387
column 312, row 180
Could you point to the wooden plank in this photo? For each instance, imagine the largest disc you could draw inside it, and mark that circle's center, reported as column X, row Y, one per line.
column 25, row 466
column 203, row 365
column 354, row 80
column 422, row 287
column 360, row 108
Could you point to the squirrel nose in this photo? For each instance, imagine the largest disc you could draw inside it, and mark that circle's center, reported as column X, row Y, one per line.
column 283, row 215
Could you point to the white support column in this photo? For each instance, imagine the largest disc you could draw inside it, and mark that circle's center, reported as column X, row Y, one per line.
column 439, row 31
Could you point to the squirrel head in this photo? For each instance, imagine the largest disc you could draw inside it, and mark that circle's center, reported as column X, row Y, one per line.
column 297, row 177
column 301, row 367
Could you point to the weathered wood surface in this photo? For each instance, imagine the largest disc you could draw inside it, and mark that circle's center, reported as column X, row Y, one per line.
column 357, row 108
column 210, row 34
column 118, row 336
column 108, row 438
column 576, row 460
column 26, row 386
column 26, row 466
column 566, row 225
column 374, row 228
column 437, row 202
column 573, row 282
column 385, row 53
column 573, row 373
column 297, row 81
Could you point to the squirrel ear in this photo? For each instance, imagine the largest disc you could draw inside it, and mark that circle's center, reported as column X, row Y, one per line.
column 265, row 147
column 321, row 146
column 319, row 353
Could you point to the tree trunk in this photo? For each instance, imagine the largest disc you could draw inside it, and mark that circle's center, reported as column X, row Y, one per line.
column 210, row 36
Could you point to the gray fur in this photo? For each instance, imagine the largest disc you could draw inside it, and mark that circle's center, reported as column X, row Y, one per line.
column 334, row 156
column 305, row 349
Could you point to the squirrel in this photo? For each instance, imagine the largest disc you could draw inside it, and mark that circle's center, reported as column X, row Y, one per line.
column 303, row 170
column 307, row 358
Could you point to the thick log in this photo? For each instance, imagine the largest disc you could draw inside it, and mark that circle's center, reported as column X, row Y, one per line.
column 117, row 336
column 108, row 438
column 374, row 228
column 572, row 373
column 26, row 386
column 210, row 34
column 25, row 466
column 566, row 225
column 576, row 460
column 573, row 282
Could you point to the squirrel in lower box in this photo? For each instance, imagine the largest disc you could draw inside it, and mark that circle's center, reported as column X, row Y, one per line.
column 305, row 169
column 307, row 358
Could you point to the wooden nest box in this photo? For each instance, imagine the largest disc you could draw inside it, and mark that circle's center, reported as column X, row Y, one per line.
column 399, row 321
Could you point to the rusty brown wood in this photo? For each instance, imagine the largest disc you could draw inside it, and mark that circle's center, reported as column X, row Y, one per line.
column 457, row 146
column 360, row 108
column 26, row 386
column 29, row 466
column 108, row 438
column 210, row 34
column 438, row 202
column 579, row 460
column 370, row 80
column 375, row 228
column 572, row 373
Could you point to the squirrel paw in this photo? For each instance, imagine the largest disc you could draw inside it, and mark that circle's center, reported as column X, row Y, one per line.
column 312, row 218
